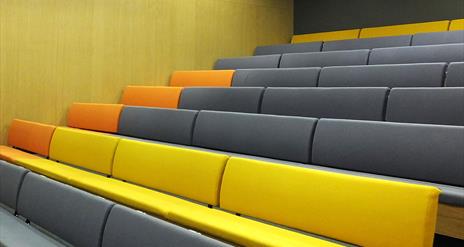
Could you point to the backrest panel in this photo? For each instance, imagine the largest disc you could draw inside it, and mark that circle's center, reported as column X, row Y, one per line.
column 303, row 198
column 222, row 99
column 155, row 166
column 455, row 75
column 426, row 105
column 202, row 78
column 414, row 151
column 166, row 97
column 349, row 103
column 72, row 214
column 324, row 59
column 448, row 37
column 86, row 149
column 457, row 24
column 99, row 117
column 11, row 177
column 404, row 29
column 287, row 138
column 169, row 125
column 30, row 136
column 288, row 48
column 389, row 75
column 291, row 77
column 367, row 43
column 326, row 36
column 267, row 61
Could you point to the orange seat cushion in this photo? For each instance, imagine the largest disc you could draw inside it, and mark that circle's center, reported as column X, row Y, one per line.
column 12, row 155
column 165, row 97
column 30, row 136
column 202, row 78
column 99, row 117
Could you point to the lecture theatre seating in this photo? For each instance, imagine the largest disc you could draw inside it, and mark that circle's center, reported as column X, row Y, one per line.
column 156, row 96
column 438, row 38
column 455, row 75
column 157, row 164
column 203, row 78
column 291, row 77
column 266, row 61
column 288, row 48
column 323, row 59
column 367, row 43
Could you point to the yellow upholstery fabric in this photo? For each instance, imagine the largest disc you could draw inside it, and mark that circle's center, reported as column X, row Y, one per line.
column 456, row 25
column 86, row 149
column 404, row 29
column 326, row 36
column 12, row 154
column 241, row 230
column 359, row 210
column 189, row 173
column 49, row 168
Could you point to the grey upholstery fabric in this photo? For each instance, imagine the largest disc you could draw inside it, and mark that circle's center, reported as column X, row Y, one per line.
column 368, row 43
column 288, row 48
column 222, row 99
column 170, row 125
column 11, row 177
column 323, row 59
column 427, row 105
column 71, row 214
column 268, row 61
column 16, row 233
column 389, row 75
column 418, row 54
column 438, row 38
column 292, row 77
column 348, row 103
column 455, row 75
column 416, row 151
column 287, row 138
column 127, row 227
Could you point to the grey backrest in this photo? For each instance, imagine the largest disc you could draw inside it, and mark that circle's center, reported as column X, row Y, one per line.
column 71, row 214
column 291, row 77
column 222, row 99
column 438, row 38
column 323, row 59
column 288, row 48
column 348, row 103
column 423, row 152
column 418, row 54
column 11, row 177
column 427, row 105
column 268, row 61
column 128, row 227
column 455, row 75
column 388, row 75
column 160, row 124
column 367, row 43
column 280, row 137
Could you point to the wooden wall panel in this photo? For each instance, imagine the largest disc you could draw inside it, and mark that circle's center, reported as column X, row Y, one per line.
column 55, row 52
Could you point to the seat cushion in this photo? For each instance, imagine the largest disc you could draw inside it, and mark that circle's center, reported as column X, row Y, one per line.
column 12, row 154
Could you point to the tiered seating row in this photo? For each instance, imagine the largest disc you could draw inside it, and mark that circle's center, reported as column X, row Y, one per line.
column 284, row 195
column 372, row 32
column 71, row 216
column 391, row 55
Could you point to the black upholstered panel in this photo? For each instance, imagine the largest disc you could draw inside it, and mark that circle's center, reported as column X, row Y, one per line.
column 291, row 77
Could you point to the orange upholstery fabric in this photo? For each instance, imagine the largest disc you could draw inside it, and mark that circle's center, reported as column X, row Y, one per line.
column 12, row 155
column 202, row 78
column 30, row 136
column 165, row 97
column 99, row 117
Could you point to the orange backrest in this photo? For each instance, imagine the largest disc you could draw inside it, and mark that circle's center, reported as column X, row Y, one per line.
column 30, row 136
column 165, row 97
column 99, row 117
column 202, row 78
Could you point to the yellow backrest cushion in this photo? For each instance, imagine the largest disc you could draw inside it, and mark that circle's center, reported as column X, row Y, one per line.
column 456, row 25
column 326, row 36
column 404, row 29
column 86, row 149
column 184, row 172
column 358, row 210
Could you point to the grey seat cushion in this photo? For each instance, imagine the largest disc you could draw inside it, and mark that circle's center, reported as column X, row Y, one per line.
column 348, row 103
column 11, row 178
column 455, row 75
column 170, row 125
column 291, row 77
column 430, row 153
column 287, row 138
column 268, row 61
column 324, row 59
column 426, row 105
column 418, row 54
column 128, row 227
column 436, row 38
column 389, row 75
column 367, row 43
column 71, row 214
column 288, row 48
column 222, row 99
